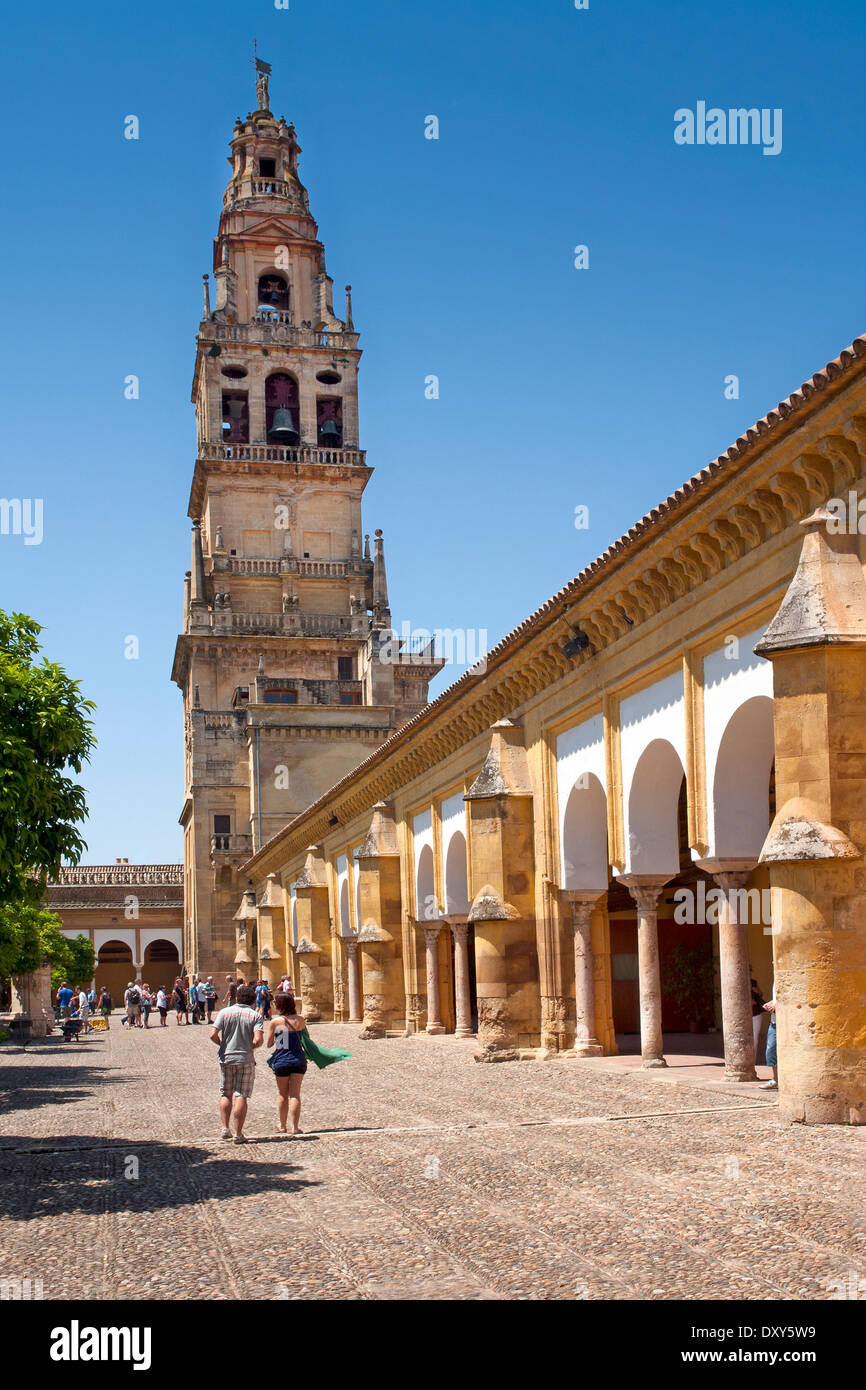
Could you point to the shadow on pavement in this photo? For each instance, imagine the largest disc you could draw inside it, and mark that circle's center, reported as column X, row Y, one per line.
column 99, row 1176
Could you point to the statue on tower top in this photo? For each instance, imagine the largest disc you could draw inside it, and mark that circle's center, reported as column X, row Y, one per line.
column 263, row 71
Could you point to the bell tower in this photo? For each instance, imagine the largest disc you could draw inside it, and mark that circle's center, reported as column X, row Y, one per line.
column 285, row 662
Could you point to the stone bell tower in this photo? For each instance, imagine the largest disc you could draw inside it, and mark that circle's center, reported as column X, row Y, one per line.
column 285, row 662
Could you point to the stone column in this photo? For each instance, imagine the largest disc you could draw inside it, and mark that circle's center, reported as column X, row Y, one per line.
column 462, row 1001
column 586, row 1044
column 272, row 964
column 502, row 855
column 314, row 936
column 645, row 889
column 355, row 1014
column 434, row 1000
column 734, row 970
column 817, row 644
column 381, row 932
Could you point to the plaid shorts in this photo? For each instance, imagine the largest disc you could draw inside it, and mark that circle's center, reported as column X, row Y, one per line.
column 237, row 1079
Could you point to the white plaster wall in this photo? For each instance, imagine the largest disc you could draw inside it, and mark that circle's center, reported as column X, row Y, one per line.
column 729, row 681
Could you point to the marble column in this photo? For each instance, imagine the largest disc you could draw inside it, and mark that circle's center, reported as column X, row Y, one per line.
column 645, row 889
column 734, row 969
column 463, row 1003
column 586, row 1044
column 355, row 1012
column 434, row 1000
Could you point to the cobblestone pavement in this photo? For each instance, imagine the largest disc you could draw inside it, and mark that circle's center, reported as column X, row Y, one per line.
column 423, row 1175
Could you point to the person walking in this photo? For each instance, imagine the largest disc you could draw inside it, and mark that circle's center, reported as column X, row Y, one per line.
column 105, row 1006
column 210, row 997
column 771, row 1051
column 287, row 1061
column 230, row 996
column 178, row 1001
column 64, row 1000
column 238, row 1030
column 162, row 1005
column 264, row 999
column 84, row 1010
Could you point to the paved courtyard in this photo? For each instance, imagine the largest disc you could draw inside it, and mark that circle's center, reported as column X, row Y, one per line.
column 422, row 1175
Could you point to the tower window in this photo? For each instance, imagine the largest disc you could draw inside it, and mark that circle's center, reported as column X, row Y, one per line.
column 267, row 168
column 222, row 825
column 282, row 411
column 273, row 292
column 329, row 422
column 281, row 697
column 346, row 668
column 350, row 697
column 236, row 417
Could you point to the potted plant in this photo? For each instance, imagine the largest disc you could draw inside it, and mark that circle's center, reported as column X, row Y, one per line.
column 689, row 980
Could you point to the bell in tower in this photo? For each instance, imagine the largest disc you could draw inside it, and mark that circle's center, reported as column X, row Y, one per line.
column 329, row 422
column 282, row 409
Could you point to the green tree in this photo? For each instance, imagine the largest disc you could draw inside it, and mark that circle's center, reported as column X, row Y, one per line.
column 44, row 734
column 31, row 935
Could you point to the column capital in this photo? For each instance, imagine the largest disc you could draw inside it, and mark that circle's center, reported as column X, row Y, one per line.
column 431, row 929
column 644, row 888
column 728, row 873
column 583, row 903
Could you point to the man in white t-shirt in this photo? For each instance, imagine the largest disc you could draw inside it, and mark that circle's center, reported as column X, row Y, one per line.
column 84, row 1009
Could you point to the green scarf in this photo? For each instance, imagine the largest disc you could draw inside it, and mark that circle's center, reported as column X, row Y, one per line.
column 322, row 1056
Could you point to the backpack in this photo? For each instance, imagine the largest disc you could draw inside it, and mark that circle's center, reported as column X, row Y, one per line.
column 134, row 997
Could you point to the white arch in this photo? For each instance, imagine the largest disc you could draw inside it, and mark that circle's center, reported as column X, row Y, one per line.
column 584, row 859
column 173, row 934
column 456, row 879
column 739, row 802
column 343, row 894
column 452, row 813
column 579, row 755
column 425, row 892
column 733, row 675
column 652, row 829
column 102, row 934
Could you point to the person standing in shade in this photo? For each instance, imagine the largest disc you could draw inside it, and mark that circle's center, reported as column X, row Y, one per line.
column 757, row 1012
column 771, row 1049
column 238, row 1030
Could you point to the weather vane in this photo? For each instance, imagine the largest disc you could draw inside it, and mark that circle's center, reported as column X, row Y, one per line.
column 263, row 71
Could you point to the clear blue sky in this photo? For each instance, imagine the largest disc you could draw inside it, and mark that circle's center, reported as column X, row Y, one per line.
column 559, row 387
